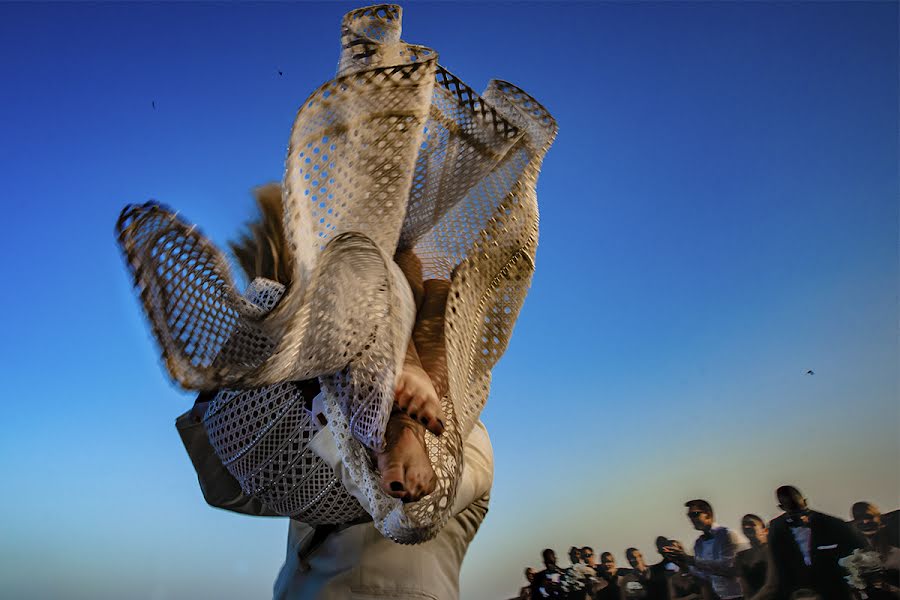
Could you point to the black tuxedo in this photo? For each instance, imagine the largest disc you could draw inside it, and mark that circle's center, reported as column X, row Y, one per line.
column 830, row 539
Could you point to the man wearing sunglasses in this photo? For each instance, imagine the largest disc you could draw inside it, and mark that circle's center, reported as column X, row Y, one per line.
column 714, row 551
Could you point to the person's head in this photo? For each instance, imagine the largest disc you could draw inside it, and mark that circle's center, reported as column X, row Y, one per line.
column 866, row 518
column 549, row 557
column 587, row 555
column 574, row 555
column 635, row 559
column 700, row 513
column 661, row 542
column 755, row 529
column 529, row 574
column 805, row 594
column 792, row 502
column 608, row 562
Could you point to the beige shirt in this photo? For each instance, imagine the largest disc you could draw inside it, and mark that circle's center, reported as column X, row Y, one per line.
column 358, row 563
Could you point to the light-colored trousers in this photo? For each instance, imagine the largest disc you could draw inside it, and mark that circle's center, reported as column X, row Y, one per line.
column 357, row 562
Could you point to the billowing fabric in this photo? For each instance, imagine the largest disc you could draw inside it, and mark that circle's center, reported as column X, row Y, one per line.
column 394, row 153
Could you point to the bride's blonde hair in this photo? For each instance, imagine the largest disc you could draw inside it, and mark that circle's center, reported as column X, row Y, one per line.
column 262, row 251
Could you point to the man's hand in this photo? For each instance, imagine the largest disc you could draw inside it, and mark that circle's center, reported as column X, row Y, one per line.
column 676, row 555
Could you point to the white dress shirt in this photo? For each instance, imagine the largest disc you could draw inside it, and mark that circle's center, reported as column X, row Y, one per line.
column 803, row 536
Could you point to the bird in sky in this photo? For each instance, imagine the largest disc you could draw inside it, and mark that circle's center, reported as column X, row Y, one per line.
column 280, row 73
column 153, row 104
column 810, row 372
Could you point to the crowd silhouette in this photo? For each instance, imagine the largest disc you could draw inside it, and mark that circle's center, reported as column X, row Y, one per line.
column 800, row 554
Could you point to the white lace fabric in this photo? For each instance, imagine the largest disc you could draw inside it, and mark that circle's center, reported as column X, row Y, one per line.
column 395, row 152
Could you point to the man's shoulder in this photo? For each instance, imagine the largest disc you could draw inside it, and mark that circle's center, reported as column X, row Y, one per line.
column 733, row 535
column 819, row 517
column 822, row 521
column 723, row 531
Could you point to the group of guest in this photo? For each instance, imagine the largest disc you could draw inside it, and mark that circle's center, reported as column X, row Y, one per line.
column 800, row 555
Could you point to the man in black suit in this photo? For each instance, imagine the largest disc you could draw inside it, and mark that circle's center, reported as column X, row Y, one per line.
column 805, row 547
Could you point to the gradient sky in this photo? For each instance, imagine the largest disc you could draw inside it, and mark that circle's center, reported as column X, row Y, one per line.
column 719, row 215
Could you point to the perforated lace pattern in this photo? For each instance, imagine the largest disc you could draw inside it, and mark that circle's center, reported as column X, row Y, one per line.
column 395, row 152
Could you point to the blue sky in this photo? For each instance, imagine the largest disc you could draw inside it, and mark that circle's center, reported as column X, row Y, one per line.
column 718, row 215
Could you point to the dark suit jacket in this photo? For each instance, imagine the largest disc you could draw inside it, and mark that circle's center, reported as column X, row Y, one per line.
column 659, row 578
column 541, row 579
column 831, row 539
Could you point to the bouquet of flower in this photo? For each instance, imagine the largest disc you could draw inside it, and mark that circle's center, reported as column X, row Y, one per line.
column 861, row 566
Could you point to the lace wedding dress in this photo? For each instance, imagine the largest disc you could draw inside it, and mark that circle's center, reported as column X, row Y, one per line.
column 395, row 152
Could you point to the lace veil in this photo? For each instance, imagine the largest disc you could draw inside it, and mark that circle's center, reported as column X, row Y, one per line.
column 394, row 152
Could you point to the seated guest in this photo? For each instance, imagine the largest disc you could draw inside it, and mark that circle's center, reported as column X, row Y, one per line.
column 609, row 577
column 661, row 571
column 574, row 555
column 637, row 584
column 525, row 592
column 593, row 569
column 681, row 583
column 714, row 551
column 546, row 582
column 886, row 583
column 804, row 549
column 588, row 558
column 753, row 562
column 575, row 584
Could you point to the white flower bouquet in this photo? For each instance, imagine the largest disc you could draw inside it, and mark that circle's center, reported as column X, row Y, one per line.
column 861, row 566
